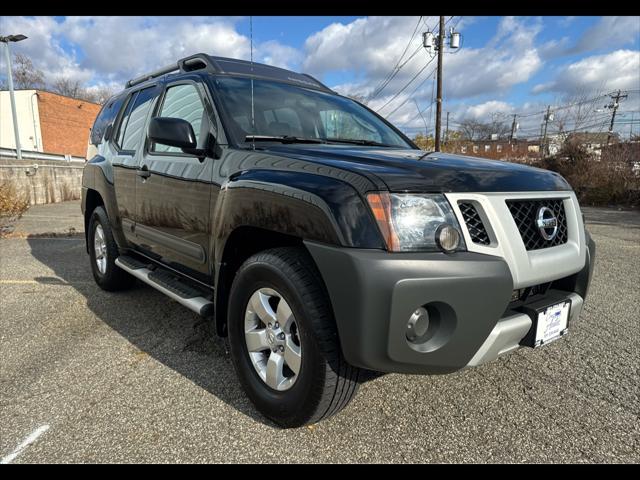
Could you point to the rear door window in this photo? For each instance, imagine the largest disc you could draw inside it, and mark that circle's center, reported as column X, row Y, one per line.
column 134, row 119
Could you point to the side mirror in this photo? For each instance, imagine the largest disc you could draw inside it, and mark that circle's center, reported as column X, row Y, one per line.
column 174, row 132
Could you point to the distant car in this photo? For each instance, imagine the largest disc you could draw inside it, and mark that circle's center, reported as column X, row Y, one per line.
column 319, row 238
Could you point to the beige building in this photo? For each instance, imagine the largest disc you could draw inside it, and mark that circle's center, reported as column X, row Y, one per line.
column 28, row 121
column 47, row 122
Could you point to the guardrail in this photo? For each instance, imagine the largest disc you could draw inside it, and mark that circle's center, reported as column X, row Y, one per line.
column 27, row 154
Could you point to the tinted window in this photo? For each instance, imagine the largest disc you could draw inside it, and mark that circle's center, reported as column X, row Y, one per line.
column 105, row 118
column 183, row 101
column 135, row 118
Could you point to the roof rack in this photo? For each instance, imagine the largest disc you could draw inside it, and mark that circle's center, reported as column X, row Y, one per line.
column 202, row 61
column 187, row 64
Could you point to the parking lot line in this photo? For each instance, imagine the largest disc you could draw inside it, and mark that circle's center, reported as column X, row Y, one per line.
column 24, row 444
column 50, row 281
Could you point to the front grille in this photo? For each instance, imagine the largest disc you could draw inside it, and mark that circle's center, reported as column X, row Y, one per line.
column 525, row 212
column 477, row 231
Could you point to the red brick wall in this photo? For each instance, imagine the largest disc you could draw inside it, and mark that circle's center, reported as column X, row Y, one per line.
column 65, row 123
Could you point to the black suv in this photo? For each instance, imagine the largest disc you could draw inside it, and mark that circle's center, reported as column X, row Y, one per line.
column 319, row 238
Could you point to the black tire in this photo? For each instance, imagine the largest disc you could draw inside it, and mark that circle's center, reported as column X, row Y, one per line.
column 113, row 278
column 326, row 382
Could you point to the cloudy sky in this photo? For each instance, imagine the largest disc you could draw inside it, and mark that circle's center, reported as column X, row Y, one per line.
column 506, row 65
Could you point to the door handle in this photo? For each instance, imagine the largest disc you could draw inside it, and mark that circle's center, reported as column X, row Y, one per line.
column 143, row 172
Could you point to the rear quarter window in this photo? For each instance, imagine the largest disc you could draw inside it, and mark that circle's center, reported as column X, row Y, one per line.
column 105, row 118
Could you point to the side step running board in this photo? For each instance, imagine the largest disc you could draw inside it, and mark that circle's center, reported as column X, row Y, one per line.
column 166, row 283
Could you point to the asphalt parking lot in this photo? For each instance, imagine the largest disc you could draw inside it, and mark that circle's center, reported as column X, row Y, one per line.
column 90, row 376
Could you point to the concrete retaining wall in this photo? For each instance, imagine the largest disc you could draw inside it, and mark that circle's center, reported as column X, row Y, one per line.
column 43, row 181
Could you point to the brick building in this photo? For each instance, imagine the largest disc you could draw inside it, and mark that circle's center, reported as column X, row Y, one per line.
column 47, row 122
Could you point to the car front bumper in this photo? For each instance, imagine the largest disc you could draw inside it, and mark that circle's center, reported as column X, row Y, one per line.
column 374, row 293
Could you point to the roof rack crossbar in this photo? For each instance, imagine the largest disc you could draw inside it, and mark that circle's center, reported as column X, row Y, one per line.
column 186, row 64
column 149, row 76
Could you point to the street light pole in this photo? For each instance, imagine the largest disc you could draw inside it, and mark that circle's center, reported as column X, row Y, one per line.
column 6, row 40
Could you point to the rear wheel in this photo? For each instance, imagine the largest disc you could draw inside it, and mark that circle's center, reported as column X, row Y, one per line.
column 284, row 341
column 103, row 252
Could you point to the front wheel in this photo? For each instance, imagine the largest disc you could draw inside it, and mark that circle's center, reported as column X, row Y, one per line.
column 103, row 252
column 284, row 341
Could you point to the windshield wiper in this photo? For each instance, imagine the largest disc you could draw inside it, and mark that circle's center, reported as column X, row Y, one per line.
column 281, row 138
column 357, row 141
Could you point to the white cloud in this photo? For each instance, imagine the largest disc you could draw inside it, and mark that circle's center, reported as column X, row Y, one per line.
column 279, row 55
column 110, row 50
column 510, row 58
column 609, row 32
column 367, row 45
column 618, row 69
column 114, row 49
column 486, row 109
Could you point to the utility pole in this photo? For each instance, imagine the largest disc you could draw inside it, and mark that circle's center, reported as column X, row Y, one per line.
column 441, row 34
column 547, row 117
column 513, row 128
column 540, row 147
column 14, row 115
column 428, row 43
column 614, row 106
column 446, row 133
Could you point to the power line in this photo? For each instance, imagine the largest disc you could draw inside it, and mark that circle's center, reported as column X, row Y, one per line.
column 532, row 129
column 598, row 123
column 396, row 68
column 410, row 81
column 406, row 85
column 411, row 93
column 428, row 107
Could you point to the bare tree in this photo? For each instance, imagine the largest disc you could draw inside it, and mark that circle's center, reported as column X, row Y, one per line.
column 67, row 87
column 99, row 94
column 472, row 129
column 580, row 112
column 76, row 89
column 25, row 75
column 469, row 129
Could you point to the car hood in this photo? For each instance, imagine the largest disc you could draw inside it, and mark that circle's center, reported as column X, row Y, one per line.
column 410, row 170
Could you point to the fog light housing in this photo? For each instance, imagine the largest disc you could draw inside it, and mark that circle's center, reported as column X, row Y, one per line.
column 447, row 238
column 418, row 324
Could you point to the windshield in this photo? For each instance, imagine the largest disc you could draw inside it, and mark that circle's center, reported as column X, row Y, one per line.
column 288, row 113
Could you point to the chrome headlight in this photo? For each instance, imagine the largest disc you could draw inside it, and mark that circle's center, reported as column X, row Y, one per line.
column 416, row 222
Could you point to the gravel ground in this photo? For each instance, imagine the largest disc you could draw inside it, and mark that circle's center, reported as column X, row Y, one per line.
column 134, row 377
